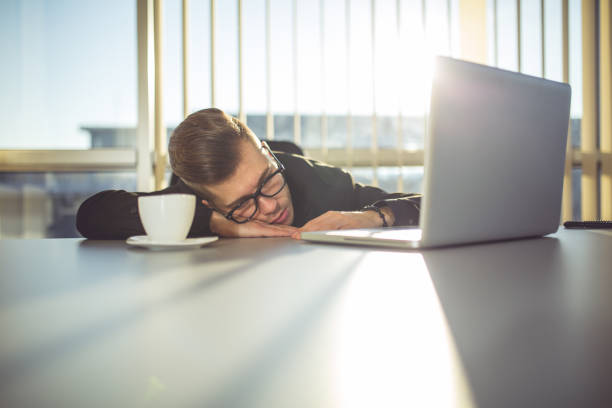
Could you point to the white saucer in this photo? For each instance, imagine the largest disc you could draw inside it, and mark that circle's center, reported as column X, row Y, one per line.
column 145, row 241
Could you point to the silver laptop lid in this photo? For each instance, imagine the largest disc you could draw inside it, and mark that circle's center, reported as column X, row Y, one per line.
column 494, row 154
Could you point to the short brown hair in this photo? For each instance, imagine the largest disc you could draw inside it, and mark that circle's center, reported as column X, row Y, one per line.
column 205, row 148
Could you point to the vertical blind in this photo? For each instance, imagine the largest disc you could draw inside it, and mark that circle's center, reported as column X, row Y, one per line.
column 364, row 31
column 593, row 157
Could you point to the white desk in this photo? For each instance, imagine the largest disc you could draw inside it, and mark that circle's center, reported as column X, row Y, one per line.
column 281, row 323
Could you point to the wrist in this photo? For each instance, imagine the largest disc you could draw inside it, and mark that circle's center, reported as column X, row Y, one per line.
column 378, row 216
column 375, row 220
column 219, row 224
column 388, row 215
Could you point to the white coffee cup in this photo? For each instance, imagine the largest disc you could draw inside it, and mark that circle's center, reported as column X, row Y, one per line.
column 168, row 217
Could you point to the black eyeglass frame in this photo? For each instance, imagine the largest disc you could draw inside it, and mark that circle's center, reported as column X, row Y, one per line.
column 280, row 170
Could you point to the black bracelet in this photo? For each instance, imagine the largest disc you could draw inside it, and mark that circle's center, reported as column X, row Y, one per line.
column 378, row 211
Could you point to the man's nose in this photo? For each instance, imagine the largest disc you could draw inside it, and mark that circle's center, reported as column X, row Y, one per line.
column 267, row 205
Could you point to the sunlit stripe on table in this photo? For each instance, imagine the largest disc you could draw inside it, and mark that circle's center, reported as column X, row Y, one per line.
column 392, row 323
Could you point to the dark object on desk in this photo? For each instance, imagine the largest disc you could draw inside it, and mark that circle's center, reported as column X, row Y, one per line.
column 587, row 224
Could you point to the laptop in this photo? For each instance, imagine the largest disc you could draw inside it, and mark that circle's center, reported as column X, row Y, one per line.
column 494, row 161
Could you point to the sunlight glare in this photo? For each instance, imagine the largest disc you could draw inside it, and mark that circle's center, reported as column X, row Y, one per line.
column 394, row 345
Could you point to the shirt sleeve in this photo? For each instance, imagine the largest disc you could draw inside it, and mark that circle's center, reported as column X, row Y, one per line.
column 113, row 214
column 317, row 187
column 405, row 207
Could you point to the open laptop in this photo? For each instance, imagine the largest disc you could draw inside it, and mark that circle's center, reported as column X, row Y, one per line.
column 494, row 161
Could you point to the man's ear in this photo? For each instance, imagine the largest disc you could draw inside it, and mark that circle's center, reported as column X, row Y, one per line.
column 206, row 203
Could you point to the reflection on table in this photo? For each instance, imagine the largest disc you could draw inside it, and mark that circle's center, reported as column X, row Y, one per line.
column 277, row 322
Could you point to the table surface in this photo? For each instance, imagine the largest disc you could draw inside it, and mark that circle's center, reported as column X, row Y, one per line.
column 284, row 323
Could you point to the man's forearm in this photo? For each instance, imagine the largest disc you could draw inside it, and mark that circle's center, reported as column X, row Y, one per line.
column 403, row 210
column 111, row 214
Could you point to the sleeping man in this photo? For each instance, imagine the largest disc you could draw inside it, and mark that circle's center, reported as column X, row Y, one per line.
column 246, row 190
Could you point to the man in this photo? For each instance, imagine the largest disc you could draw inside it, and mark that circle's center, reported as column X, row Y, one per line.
column 246, row 190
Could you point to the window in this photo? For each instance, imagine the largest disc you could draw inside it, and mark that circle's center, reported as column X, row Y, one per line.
column 345, row 79
column 67, row 66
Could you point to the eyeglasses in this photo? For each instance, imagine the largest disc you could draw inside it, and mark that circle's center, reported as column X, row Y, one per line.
column 270, row 187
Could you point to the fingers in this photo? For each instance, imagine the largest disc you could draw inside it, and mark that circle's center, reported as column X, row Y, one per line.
column 329, row 221
column 226, row 228
column 221, row 226
column 313, row 225
column 260, row 229
column 334, row 220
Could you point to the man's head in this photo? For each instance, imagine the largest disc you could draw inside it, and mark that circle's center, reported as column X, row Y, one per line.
column 223, row 161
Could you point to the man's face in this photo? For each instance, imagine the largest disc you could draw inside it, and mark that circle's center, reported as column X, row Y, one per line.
column 253, row 169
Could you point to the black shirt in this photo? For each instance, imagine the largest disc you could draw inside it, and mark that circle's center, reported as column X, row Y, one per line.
column 315, row 189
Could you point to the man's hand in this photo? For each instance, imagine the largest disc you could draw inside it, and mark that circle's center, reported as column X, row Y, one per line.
column 227, row 228
column 335, row 220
